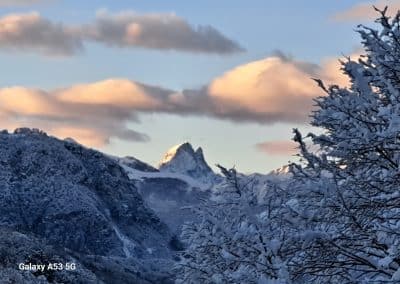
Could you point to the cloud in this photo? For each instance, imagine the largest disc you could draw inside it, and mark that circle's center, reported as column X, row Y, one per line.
column 274, row 89
column 157, row 31
column 283, row 147
column 365, row 11
column 85, row 136
column 12, row 3
column 92, row 123
column 268, row 90
column 114, row 92
column 18, row 100
column 31, row 32
column 278, row 147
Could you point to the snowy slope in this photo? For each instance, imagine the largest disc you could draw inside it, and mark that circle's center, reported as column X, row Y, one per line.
column 136, row 164
column 191, row 182
column 167, row 193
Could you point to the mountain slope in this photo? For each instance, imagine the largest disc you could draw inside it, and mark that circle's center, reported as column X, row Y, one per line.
column 82, row 202
column 136, row 164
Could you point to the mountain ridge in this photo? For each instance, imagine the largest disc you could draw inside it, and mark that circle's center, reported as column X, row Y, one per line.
column 82, row 202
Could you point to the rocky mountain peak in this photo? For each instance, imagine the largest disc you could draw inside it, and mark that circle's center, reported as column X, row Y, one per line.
column 184, row 159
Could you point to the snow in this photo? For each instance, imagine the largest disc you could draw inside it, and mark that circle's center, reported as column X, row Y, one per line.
column 384, row 262
column 193, row 183
column 127, row 245
column 336, row 218
column 396, row 275
column 172, row 152
column 168, row 193
column 184, row 160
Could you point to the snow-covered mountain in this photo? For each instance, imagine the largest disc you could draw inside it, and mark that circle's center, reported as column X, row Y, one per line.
column 183, row 159
column 283, row 170
column 184, row 179
column 62, row 202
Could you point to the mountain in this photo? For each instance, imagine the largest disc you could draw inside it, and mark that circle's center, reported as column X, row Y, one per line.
column 184, row 179
column 115, row 218
column 282, row 171
column 62, row 202
column 184, row 159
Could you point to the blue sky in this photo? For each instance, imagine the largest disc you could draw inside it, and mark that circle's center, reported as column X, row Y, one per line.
column 303, row 31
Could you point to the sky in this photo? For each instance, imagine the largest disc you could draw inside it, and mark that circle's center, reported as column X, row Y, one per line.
column 138, row 77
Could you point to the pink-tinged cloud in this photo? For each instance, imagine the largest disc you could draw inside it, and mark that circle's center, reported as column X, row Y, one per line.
column 275, row 89
column 365, row 11
column 331, row 69
column 111, row 92
column 19, row 100
column 92, row 123
column 278, row 147
column 268, row 90
column 85, row 136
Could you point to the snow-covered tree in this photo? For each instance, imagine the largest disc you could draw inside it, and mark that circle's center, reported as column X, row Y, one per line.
column 229, row 244
column 338, row 218
column 353, row 185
